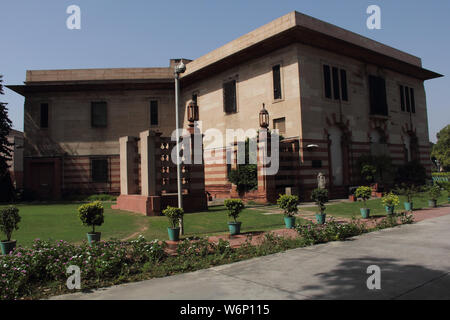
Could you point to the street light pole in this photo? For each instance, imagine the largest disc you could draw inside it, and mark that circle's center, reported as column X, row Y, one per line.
column 180, row 68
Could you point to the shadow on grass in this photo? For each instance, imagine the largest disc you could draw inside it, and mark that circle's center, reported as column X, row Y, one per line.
column 348, row 280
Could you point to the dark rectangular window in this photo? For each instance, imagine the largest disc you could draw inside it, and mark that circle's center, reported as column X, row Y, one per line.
column 336, row 89
column 402, row 98
column 327, row 81
column 44, row 115
column 407, row 99
column 377, row 93
column 153, row 113
column 229, row 96
column 276, row 82
column 99, row 170
column 194, row 97
column 98, row 114
column 413, row 101
column 344, row 85
column 408, row 102
column 335, row 80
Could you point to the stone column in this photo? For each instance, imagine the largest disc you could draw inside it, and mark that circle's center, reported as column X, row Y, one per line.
column 148, row 162
column 127, row 165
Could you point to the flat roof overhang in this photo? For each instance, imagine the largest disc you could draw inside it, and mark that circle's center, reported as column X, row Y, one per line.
column 301, row 34
column 102, row 85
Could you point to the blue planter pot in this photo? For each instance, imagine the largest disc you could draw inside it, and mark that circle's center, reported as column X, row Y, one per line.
column 174, row 234
column 94, row 237
column 321, row 218
column 408, row 206
column 432, row 203
column 289, row 222
column 234, row 227
column 7, row 246
column 365, row 213
column 389, row 209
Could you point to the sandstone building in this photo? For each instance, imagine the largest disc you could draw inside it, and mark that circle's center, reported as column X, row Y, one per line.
column 333, row 95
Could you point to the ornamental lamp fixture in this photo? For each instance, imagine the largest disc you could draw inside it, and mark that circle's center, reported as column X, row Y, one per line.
column 264, row 117
column 192, row 112
column 312, row 147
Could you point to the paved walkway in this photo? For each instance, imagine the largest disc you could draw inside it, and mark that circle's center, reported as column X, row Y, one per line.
column 414, row 261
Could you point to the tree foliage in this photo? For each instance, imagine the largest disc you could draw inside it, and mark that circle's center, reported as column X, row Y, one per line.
column 5, row 128
column 245, row 177
column 441, row 150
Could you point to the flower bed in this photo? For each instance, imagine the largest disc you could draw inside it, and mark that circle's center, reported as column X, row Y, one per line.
column 41, row 270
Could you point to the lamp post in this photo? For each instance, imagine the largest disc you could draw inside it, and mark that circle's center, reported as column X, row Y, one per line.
column 179, row 68
column 264, row 117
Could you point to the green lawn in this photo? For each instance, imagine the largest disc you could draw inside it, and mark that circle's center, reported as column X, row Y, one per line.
column 350, row 209
column 60, row 222
column 214, row 221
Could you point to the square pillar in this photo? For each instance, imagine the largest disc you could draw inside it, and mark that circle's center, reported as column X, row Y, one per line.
column 149, row 141
column 127, row 155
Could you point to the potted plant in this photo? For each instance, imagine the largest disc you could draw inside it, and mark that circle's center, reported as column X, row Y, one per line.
column 289, row 205
column 91, row 214
column 364, row 193
column 434, row 193
column 9, row 220
column 320, row 197
column 389, row 201
column 234, row 207
column 174, row 215
column 408, row 191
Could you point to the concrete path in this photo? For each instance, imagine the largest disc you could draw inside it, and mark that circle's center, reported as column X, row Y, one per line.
column 414, row 261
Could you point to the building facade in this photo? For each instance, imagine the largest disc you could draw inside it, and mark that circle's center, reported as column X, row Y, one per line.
column 332, row 94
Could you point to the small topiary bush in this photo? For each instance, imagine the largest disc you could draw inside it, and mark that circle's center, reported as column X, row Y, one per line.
column 409, row 191
column 9, row 221
column 434, row 192
column 91, row 214
column 363, row 193
column 234, row 207
column 174, row 215
column 320, row 197
column 288, row 203
column 390, row 200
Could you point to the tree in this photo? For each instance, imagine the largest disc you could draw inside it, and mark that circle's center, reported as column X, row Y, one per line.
column 6, row 187
column 5, row 128
column 441, row 150
column 245, row 177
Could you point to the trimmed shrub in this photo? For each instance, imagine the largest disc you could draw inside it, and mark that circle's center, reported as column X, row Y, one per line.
column 289, row 204
column 234, row 207
column 434, row 192
column 390, row 200
column 9, row 221
column 91, row 214
column 409, row 191
column 363, row 193
column 320, row 197
column 174, row 215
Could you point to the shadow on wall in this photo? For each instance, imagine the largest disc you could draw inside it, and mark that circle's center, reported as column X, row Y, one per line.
column 348, row 280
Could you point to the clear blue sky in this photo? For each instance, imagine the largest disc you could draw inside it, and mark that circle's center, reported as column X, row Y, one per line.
column 138, row 33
